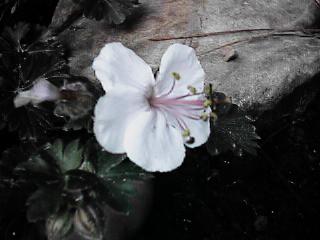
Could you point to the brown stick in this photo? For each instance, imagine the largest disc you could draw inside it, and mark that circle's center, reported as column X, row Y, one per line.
column 199, row 35
column 249, row 39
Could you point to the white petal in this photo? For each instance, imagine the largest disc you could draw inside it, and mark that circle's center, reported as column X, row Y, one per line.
column 199, row 130
column 152, row 144
column 41, row 91
column 113, row 112
column 182, row 60
column 118, row 65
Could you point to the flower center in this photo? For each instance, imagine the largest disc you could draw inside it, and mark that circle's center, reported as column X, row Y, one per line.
column 179, row 109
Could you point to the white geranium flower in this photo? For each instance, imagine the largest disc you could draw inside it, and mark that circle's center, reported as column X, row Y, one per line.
column 151, row 119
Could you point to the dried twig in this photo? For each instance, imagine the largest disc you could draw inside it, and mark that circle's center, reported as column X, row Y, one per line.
column 257, row 37
column 201, row 35
column 198, row 35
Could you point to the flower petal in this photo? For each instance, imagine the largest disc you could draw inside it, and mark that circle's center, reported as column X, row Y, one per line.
column 41, row 91
column 199, row 130
column 179, row 64
column 118, row 65
column 153, row 144
column 113, row 112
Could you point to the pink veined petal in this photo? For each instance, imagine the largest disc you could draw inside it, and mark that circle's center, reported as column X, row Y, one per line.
column 182, row 60
column 188, row 117
column 113, row 113
column 117, row 65
column 153, row 144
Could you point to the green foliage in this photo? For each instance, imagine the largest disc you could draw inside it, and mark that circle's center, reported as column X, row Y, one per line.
column 42, row 204
column 231, row 129
column 78, row 181
column 59, row 225
column 114, row 11
column 68, row 157
column 22, row 63
column 88, row 222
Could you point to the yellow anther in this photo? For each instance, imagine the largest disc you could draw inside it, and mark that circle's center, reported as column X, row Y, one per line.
column 207, row 103
column 186, row 133
column 207, row 89
column 193, row 90
column 176, row 75
column 204, row 117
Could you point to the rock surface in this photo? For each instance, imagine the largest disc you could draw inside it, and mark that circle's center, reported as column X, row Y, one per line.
column 265, row 69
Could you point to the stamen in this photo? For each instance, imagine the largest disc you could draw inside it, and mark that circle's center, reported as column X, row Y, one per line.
column 193, row 90
column 176, row 75
column 204, row 117
column 186, row 133
column 208, row 90
column 181, row 108
column 207, row 103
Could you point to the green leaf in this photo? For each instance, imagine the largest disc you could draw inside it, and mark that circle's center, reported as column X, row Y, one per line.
column 118, row 185
column 127, row 171
column 21, row 66
column 77, row 181
column 59, row 225
column 39, row 169
column 88, row 222
column 117, row 194
column 107, row 161
column 232, row 130
column 42, row 203
column 56, row 149
column 72, row 156
column 68, row 157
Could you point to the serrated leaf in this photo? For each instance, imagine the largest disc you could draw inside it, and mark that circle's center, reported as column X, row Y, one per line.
column 56, row 149
column 67, row 157
column 119, row 185
column 59, row 225
column 72, row 156
column 128, row 171
column 42, row 203
column 39, row 170
column 117, row 194
column 107, row 161
column 77, row 180
column 232, row 130
column 88, row 222
column 21, row 66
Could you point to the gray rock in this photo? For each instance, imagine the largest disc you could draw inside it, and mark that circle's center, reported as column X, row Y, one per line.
column 264, row 71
